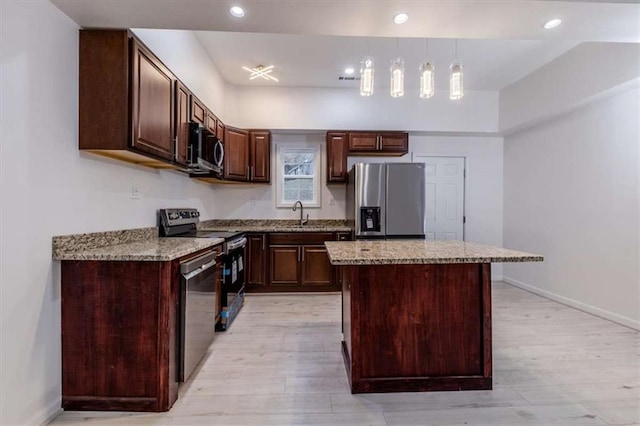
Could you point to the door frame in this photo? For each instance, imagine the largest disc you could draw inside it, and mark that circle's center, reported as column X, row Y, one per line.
column 465, row 183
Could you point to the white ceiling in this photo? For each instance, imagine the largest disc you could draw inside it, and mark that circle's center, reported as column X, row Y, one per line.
column 317, row 61
column 310, row 42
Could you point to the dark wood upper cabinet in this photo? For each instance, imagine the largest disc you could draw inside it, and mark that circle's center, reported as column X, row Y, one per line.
column 183, row 99
column 126, row 100
column 220, row 130
column 152, row 99
column 212, row 123
column 378, row 143
column 260, row 156
column 336, row 157
column 394, row 142
column 363, row 142
column 247, row 155
column 236, row 154
column 198, row 111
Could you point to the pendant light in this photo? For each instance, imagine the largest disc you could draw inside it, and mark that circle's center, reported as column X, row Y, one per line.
column 366, row 76
column 456, row 87
column 427, row 76
column 397, row 74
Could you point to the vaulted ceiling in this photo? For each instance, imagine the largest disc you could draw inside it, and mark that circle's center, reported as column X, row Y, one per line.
column 311, row 42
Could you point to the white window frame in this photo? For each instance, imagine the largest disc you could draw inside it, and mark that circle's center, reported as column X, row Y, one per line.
column 317, row 177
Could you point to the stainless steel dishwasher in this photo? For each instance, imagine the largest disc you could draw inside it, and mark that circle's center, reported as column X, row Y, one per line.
column 198, row 311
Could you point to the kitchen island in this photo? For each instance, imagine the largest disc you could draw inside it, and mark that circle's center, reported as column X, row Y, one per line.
column 416, row 315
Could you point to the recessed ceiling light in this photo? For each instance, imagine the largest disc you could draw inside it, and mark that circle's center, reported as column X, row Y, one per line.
column 349, row 71
column 552, row 23
column 401, row 18
column 237, row 11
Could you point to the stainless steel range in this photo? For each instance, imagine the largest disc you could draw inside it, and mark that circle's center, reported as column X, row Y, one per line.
column 200, row 303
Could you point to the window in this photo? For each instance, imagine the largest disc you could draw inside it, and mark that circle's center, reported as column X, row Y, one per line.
column 298, row 175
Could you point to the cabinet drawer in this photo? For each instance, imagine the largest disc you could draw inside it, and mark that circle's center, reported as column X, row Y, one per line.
column 301, row 237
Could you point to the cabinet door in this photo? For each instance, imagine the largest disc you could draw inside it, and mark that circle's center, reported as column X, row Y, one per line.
column 316, row 268
column 182, row 122
column 212, row 123
column 363, row 142
column 284, row 265
column 236, row 154
column 152, row 89
column 260, row 150
column 198, row 111
column 394, row 142
column 220, row 130
column 336, row 157
column 257, row 261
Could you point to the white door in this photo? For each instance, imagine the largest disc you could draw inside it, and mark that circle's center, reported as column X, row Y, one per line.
column 444, row 197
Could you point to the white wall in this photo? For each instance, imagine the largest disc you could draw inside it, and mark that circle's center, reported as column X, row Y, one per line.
column 571, row 80
column 572, row 193
column 49, row 188
column 328, row 108
column 183, row 53
column 259, row 201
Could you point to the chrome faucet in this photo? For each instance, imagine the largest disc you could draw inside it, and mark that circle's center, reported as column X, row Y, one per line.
column 302, row 221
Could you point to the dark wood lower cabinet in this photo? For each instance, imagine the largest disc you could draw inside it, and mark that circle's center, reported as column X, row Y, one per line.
column 285, row 265
column 119, row 335
column 256, row 262
column 293, row 262
column 417, row 327
column 316, row 268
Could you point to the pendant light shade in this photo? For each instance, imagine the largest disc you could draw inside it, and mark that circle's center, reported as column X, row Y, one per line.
column 456, row 88
column 366, row 77
column 397, row 77
column 427, row 80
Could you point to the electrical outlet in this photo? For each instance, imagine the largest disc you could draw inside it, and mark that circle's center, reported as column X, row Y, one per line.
column 253, row 201
column 332, row 202
column 134, row 194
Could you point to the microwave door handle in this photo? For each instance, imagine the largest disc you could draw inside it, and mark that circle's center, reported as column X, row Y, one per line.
column 219, row 150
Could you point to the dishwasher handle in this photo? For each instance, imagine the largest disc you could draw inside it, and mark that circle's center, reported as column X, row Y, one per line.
column 196, row 264
column 236, row 244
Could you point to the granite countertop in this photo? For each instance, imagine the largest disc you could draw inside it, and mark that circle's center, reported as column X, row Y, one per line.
column 274, row 225
column 129, row 245
column 392, row 252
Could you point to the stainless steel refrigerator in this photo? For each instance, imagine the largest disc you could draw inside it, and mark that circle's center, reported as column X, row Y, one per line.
column 386, row 200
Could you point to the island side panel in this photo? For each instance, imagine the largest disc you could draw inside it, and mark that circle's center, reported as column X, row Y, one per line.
column 118, row 335
column 419, row 327
column 346, row 317
column 486, row 319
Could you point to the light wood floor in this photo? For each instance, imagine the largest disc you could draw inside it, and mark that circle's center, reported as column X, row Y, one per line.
column 280, row 364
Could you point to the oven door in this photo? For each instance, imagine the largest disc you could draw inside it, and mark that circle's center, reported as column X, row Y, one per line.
column 198, row 312
column 233, row 281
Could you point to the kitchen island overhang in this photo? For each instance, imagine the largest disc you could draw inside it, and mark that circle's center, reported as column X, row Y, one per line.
column 416, row 315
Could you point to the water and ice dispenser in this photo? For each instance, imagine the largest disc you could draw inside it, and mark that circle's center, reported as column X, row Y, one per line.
column 370, row 219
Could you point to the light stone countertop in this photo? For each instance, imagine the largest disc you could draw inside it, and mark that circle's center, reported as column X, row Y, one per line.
column 129, row 245
column 155, row 249
column 274, row 225
column 392, row 252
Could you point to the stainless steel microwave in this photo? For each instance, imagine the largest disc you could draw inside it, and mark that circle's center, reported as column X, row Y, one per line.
column 205, row 152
